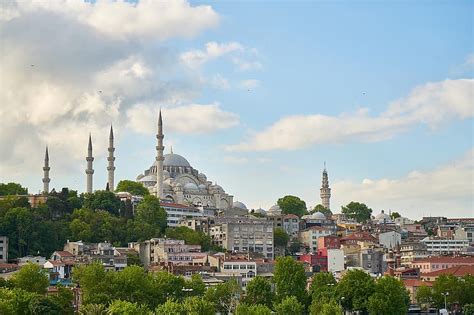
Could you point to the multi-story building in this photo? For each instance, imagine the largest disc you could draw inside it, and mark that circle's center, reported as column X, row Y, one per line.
column 457, row 271
column 411, row 251
column 444, row 246
column 330, row 242
column 200, row 224
column 436, row 263
column 160, row 250
column 244, row 268
column 175, row 212
column 402, row 221
column 291, row 225
column 465, row 232
column 244, row 235
column 390, row 239
column 310, row 236
column 38, row 260
column 3, row 249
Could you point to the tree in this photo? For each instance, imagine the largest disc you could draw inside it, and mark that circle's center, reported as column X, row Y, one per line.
column 150, row 211
column 196, row 286
column 323, row 285
column 424, row 295
column 293, row 205
column 170, row 307
column 12, row 189
column 468, row 309
column 395, row 215
column 390, row 297
column 194, row 305
column 289, row 305
column 44, row 305
column 259, row 291
column 354, row 289
column 358, row 211
column 256, row 309
column 94, row 282
column 322, row 209
column 15, row 301
column 18, row 224
column 224, row 296
column 133, row 187
column 295, row 246
column 93, row 309
column 280, row 237
column 458, row 289
column 325, row 307
column 64, row 299
column 119, row 307
column 290, row 279
column 31, row 278
column 133, row 259
column 102, row 200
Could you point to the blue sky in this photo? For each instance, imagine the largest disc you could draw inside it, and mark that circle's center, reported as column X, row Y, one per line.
column 326, row 74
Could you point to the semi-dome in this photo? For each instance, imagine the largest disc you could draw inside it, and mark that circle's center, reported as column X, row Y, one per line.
column 148, row 178
column 260, row 211
column 275, row 210
column 240, row 205
column 202, row 187
column 172, row 159
column 166, row 174
column 318, row 216
column 191, row 187
column 383, row 217
column 202, row 177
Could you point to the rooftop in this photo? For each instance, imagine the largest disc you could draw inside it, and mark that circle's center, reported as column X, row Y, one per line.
column 457, row 271
column 447, row 259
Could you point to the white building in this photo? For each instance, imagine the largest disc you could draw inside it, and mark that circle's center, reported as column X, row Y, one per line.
column 3, row 249
column 176, row 212
column 444, row 246
column 161, row 250
column 246, row 269
column 38, row 260
column 335, row 260
column 390, row 239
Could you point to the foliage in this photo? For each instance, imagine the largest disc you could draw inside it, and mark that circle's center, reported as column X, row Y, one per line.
column 280, row 237
column 468, row 309
column 323, row 285
column 395, row 215
column 194, row 305
column 64, row 299
column 289, row 305
column 189, row 236
column 424, row 295
column 133, row 187
column 44, row 305
column 322, row 209
column 93, row 309
column 358, row 211
column 12, row 189
column 133, row 259
column 31, row 278
column 355, row 287
column 150, row 212
column 390, row 297
column 292, row 204
column 294, row 246
column 224, row 296
column 196, row 285
column 102, row 200
column 461, row 290
column 289, row 278
column 119, row 307
column 15, row 301
column 170, row 307
column 96, row 226
column 259, row 291
column 325, row 307
column 256, row 309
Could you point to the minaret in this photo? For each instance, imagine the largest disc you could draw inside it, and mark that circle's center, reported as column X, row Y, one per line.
column 89, row 170
column 111, row 159
column 46, row 169
column 159, row 158
column 325, row 190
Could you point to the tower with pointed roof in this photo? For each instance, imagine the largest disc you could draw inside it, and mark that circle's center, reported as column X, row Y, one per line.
column 111, row 159
column 159, row 158
column 325, row 191
column 46, row 169
column 89, row 170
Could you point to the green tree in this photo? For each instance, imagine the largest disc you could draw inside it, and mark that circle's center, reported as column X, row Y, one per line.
column 93, row 309
column 354, row 289
column 468, row 309
column 456, row 289
column 390, row 297
column 323, row 210
column 289, row 278
column 12, row 189
column 94, row 282
column 280, row 237
column 119, row 307
column 64, row 299
column 196, row 286
column 424, row 295
column 18, row 224
column 256, row 309
column 133, row 187
column 170, row 307
column 224, row 296
column 102, row 200
column 259, row 291
column 289, row 305
column 166, row 285
column 358, row 211
column 132, row 284
column 194, row 305
column 323, row 285
column 31, row 278
column 44, row 305
column 293, row 205
column 133, row 259
column 150, row 211
column 15, row 301
column 325, row 307
column 395, row 215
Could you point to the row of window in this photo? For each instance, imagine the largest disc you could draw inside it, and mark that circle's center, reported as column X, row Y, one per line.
column 227, row 267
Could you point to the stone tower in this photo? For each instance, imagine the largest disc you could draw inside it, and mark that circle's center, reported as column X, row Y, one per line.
column 325, row 190
column 46, row 169
column 159, row 158
column 111, row 159
column 89, row 170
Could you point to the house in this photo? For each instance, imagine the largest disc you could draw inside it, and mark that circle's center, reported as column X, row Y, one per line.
column 457, row 271
column 412, row 286
column 310, row 236
column 436, row 263
column 390, row 239
column 444, row 246
column 59, row 271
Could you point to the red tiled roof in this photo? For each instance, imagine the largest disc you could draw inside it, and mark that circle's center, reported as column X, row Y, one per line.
column 359, row 236
column 416, row 283
column 56, row 262
column 8, row 266
column 457, row 271
column 64, row 253
column 291, row 216
column 446, row 259
column 176, row 205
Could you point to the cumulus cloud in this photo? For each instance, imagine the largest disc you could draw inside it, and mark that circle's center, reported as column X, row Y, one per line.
column 246, row 65
column 431, row 104
column 420, row 193
column 189, row 119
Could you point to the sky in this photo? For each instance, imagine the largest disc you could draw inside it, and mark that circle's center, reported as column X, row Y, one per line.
column 255, row 94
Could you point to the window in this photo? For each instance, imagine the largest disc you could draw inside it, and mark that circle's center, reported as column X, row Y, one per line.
column 227, row 267
column 243, row 267
column 235, row 267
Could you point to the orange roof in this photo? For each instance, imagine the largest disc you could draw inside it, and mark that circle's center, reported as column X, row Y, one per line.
column 292, row 216
column 416, row 283
column 457, row 271
column 64, row 253
column 359, row 236
column 446, row 259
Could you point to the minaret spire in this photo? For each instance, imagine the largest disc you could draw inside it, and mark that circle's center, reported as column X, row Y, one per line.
column 325, row 191
column 159, row 158
column 111, row 159
column 89, row 170
column 46, row 169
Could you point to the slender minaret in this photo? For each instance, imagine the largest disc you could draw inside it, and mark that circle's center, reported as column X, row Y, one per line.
column 159, row 158
column 89, row 170
column 111, row 159
column 46, row 169
column 325, row 190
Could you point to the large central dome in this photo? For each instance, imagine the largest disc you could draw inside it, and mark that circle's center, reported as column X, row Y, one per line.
column 172, row 159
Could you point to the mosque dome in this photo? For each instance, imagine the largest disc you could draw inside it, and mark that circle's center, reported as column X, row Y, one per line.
column 260, row 211
column 383, row 217
column 172, row 159
column 202, row 187
column 202, row 177
column 318, row 216
column 148, row 178
column 274, row 210
column 240, row 205
column 140, row 177
column 191, row 187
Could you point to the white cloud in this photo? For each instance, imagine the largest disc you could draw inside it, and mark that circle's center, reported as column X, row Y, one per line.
column 217, row 81
column 196, row 58
column 245, row 65
column 250, row 84
column 189, row 119
column 432, row 104
column 123, row 19
column 235, row 160
column 436, row 192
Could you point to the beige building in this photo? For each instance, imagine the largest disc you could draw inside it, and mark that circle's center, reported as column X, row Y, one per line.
column 310, row 236
column 244, row 235
column 160, row 250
